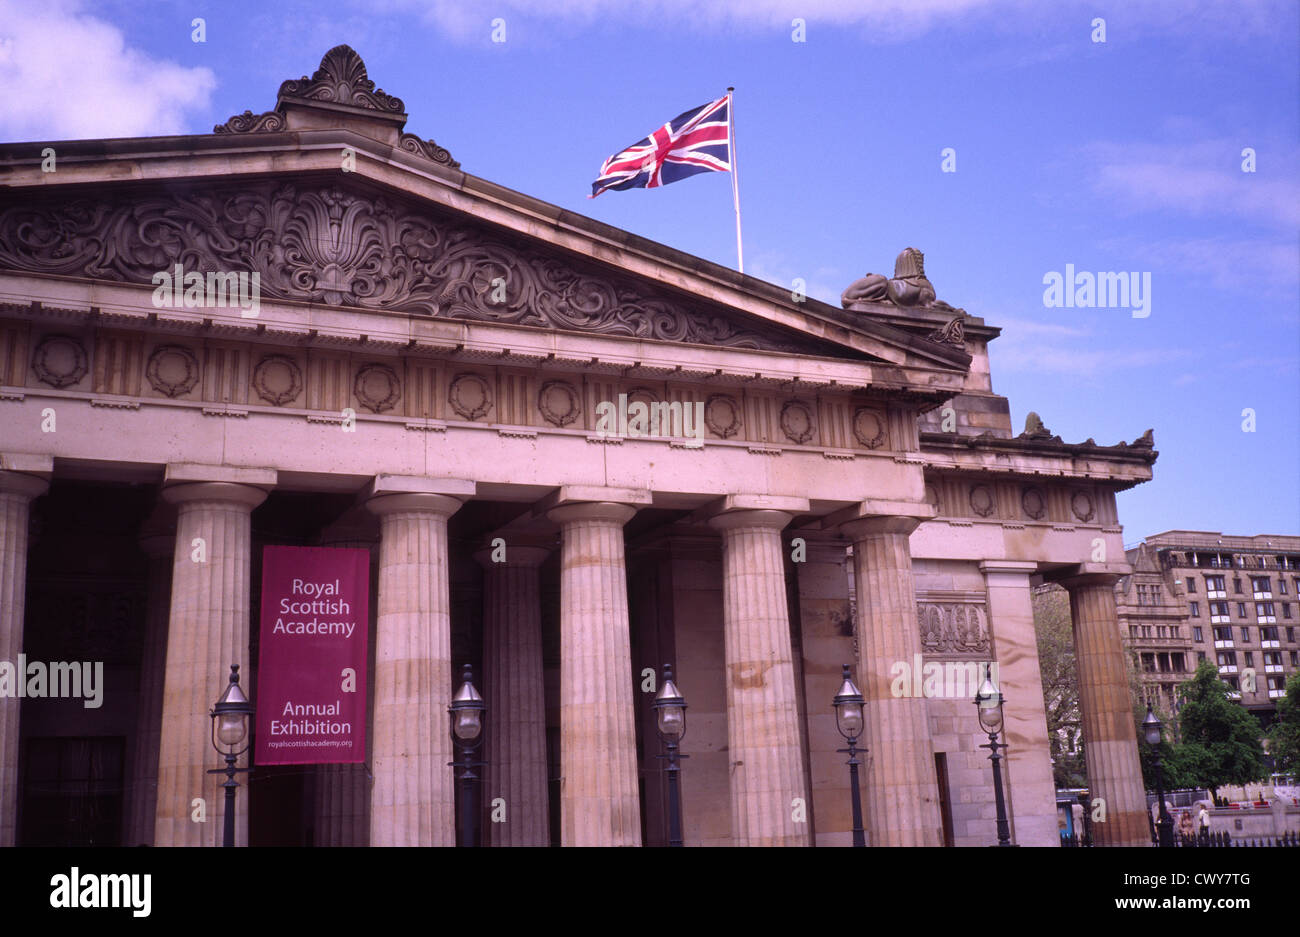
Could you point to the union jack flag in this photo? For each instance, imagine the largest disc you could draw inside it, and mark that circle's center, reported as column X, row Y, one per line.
column 697, row 141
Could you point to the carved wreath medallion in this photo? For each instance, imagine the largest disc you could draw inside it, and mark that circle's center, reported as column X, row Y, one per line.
column 722, row 415
column 1033, row 503
column 797, row 421
column 470, row 396
column 173, row 370
column 59, row 360
column 869, row 428
column 1081, row 505
column 377, row 387
column 559, row 403
column 981, row 500
column 278, row 380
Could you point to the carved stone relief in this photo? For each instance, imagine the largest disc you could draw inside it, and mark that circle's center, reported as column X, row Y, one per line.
column 470, row 396
column 797, row 421
column 328, row 244
column 559, row 403
column 981, row 500
column 722, row 415
column 869, row 428
column 1081, row 505
column 278, row 380
column 173, row 370
column 59, row 360
column 1033, row 503
column 377, row 387
column 953, row 628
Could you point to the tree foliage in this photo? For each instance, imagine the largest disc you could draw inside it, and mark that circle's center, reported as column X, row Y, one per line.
column 1057, row 667
column 1284, row 735
column 1222, row 738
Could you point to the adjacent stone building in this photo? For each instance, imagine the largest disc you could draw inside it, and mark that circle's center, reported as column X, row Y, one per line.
column 418, row 362
column 1197, row 595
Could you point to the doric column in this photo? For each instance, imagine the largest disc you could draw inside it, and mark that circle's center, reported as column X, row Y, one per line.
column 412, row 802
column 158, row 541
column 764, row 744
column 207, row 632
column 1031, row 792
column 17, row 490
column 515, row 695
column 900, row 789
column 600, row 799
column 1110, row 737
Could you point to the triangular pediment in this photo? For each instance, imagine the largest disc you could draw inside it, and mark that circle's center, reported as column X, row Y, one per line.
column 398, row 228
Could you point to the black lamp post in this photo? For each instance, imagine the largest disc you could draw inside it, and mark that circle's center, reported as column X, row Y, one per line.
column 848, row 719
column 670, row 713
column 230, row 715
column 466, row 710
column 1151, row 729
column 989, row 700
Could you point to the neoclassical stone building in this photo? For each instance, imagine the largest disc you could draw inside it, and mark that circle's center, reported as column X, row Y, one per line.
column 418, row 367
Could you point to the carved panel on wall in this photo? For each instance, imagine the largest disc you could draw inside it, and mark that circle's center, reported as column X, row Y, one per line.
column 278, row 380
column 470, row 396
column 377, row 387
column 797, row 421
column 869, row 428
column 981, row 500
column 722, row 415
column 59, row 360
column 173, row 370
column 1033, row 503
column 953, row 628
column 559, row 403
column 1081, row 505
column 330, row 244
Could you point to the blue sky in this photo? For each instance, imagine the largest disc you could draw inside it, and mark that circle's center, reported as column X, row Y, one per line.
column 1123, row 155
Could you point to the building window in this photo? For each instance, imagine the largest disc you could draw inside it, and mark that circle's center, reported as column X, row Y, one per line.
column 1241, row 609
column 1133, row 632
column 1245, row 635
column 1218, row 610
column 1281, row 585
column 1148, row 663
column 1295, row 658
column 1191, row 583
column 1214, row 583
column 1264, row 610
column 1236, row 585
column 1223, row 634
column 1200, row 656
column 1268, row 632
column 1290, row 634
column 1261, row 585
column 1286, row 609
column 1196, row 609
column 1250, row 658
column 1197, row 634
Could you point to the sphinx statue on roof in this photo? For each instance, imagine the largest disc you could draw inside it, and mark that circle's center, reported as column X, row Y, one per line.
column 907, row 288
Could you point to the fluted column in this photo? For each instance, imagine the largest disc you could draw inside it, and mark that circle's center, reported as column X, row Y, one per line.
column 16, row 493
column 599, row 799
column 515, row 696
column 763, row 738
column 207, row 632
column 900, row 790
column 159, row 545
column 1106, row 708
column 1031, row 792
column 412, row 801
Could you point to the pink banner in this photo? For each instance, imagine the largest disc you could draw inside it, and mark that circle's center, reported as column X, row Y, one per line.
column 311, row 675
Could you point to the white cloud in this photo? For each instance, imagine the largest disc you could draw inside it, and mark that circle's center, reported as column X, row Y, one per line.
column 70, row 75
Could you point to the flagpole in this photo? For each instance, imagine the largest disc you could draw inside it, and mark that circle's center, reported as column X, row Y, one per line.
column 735, row 176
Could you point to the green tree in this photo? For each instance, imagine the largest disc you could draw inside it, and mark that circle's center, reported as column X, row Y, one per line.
column 1223, row 740
column 1284, row 735
column 1056, row 663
